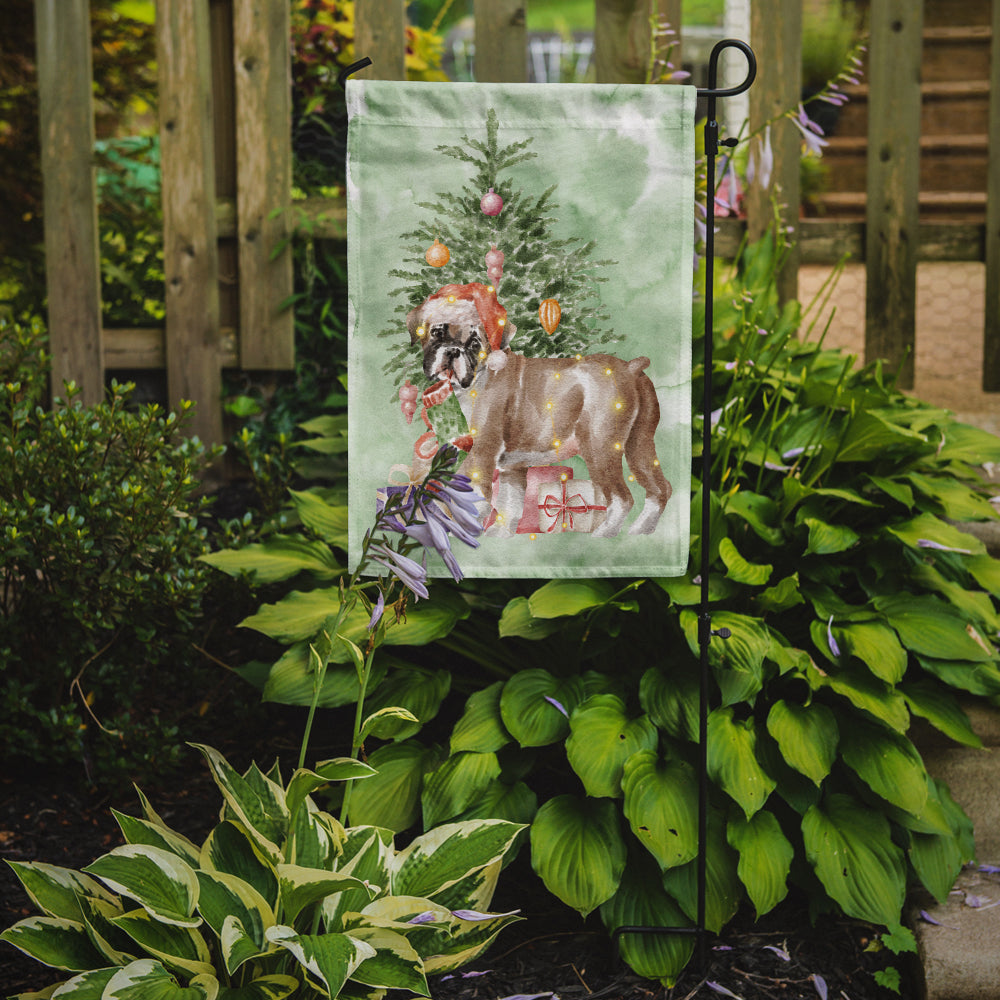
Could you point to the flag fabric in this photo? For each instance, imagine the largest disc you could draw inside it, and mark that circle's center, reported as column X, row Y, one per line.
column 520, row 282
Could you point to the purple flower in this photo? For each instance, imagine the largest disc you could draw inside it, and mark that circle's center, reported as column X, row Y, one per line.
column 761, row 163
column 834, row 648
column 927, row 543
column 780, row 952
column 475, row 915
column 719, row 988
column 427, row 917
column 408, row 570
column 558, row 705
column 820, row 983
column 377, row 611
column 811, row 132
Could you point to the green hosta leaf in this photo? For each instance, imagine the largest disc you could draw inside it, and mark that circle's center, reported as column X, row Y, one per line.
column 671, row 699
column 758, row 511
column 957, row 501
column 965, row 443
column 870, row 436
column 893, row 488
column 517, row 620
column 515, row 803
column 456, row 784
column 387, row 722
column 163, row 884
column 732, row 760
column 528, row 710
column 751, row 574
column 569, row 597
column 723, row 889
column 876, row 646
column 56, row 891
column 865, row 692
column 850, row 847
column 225, row 897
column 391, row 798
column 274, row 987
column 641, row 901
column 578, row 851
column 147, row 979
column 141, row 831
column 54, row 941
column 807, row 736
column 828, row 539
column 180, row 948
column 279, row 558
column 481, row 728
column 932, row 628
column 327, row 520
column 395, row 964
column 986, row 572
column 415, row 689
column 937, row 859
column 661, row 798
column 261, row 809
column 683, row 591
column 292, row 680
column 783, row 595
column 765, row 858
column 602, row 738
column 438, row 859
column 888, row 763
column 330, row 959
column 975, row 605
column 230, row 849
column 301, row 887
column 976, row 678
column 738, row 661
column 941, row 709
column 928, row 528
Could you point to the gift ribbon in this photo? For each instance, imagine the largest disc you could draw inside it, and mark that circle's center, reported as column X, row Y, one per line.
column 557, row 508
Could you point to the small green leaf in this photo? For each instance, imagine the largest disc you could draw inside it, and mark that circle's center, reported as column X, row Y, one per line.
column 481, row 727
column 671, row 699
column 456, row 784
column 765, row 858
column 932, row 628
column 888, row 763
column 828, row 539
column 391, row 798
column 732, row 760
column 936, row 704
column 569, row 597
column 279, row 558
column 807, row 736
column 328, row 521
column 740, row 570
column 535, row 706
column 517, row 620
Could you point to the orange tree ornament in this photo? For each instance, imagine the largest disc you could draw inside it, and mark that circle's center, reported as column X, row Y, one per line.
column 437, row 254
column 549, row 313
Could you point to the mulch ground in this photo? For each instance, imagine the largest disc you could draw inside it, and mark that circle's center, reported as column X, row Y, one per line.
column 552, row 951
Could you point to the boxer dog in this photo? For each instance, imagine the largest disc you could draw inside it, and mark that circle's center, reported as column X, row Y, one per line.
column 525, row 412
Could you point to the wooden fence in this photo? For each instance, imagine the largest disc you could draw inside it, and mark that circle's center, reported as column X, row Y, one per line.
column 226, row 160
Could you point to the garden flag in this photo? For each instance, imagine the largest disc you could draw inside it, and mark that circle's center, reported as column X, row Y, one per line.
column 520, row 274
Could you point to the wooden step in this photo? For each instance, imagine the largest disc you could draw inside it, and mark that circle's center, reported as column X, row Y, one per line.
column 939, row 13
column 957, row 206
column 956, row 53
column 947, row 162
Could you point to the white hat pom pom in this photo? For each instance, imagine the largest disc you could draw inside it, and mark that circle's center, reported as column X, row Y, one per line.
column 496, row 360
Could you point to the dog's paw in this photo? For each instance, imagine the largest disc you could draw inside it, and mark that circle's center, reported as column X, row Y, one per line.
column 607, row 530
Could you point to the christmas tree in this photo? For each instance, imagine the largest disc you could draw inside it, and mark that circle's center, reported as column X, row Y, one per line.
column 491, row 231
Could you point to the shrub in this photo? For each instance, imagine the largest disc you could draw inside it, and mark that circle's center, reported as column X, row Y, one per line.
column 280, row 899
column 99, row 539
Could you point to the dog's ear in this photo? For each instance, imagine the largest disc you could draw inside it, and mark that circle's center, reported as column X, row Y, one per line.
column 413, row 319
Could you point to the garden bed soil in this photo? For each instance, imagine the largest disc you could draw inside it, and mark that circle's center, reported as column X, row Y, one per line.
column 62, row 822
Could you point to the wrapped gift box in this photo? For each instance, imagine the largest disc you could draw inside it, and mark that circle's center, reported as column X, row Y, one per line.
column 536, row 475
column 569, row 505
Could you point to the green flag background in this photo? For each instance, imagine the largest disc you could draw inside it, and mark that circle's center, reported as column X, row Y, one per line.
column 620, row 163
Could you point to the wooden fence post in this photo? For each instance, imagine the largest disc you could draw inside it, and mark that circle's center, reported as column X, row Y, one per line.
column 190, row 252
column 380, row 34
column 776, row 34
column 892, row 214
column 72, row 256
column 501, row 41
column 621, row 40
column 262, row 61
column 991, row 333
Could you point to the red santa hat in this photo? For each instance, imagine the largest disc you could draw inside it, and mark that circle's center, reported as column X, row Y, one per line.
column 484, row 298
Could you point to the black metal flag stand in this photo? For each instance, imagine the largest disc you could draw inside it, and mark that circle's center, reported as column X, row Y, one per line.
column 705, row 630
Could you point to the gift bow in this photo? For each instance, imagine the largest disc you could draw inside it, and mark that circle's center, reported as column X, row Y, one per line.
column 565, row 507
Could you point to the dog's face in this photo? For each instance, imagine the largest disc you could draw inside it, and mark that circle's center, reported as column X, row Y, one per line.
column 452, row 338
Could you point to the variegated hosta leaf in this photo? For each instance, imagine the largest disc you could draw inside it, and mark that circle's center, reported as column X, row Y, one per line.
column 441, row 857
column 481, row 727
column 177, row 947
column 602, row 737
column 642, row 902
column 367, row 853
column 476, row 890
column 315, row 838
column 225, row 897
column 256, row 801
column 141, row 831
column 54, row 941
column 723, row 889
column 732, row 760
column 86, row 986
column 765, row 858
column 578, row 851
column 535, row 706
column 300, row 887
column 147, row 979
column 304, row 782
column 888, row 763
column 329, row 959
column 456, row 784
column 116, row 946
column 230, row 849
column 395, row 964
column 274, row 987
column 158, row 880
column 391, row 799
column 467, row 940
column 807, row 736
column 661, row 799
column 56, row 891
column 850, row 847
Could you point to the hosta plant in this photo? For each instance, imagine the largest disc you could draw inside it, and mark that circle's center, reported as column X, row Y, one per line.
column 279, row 900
